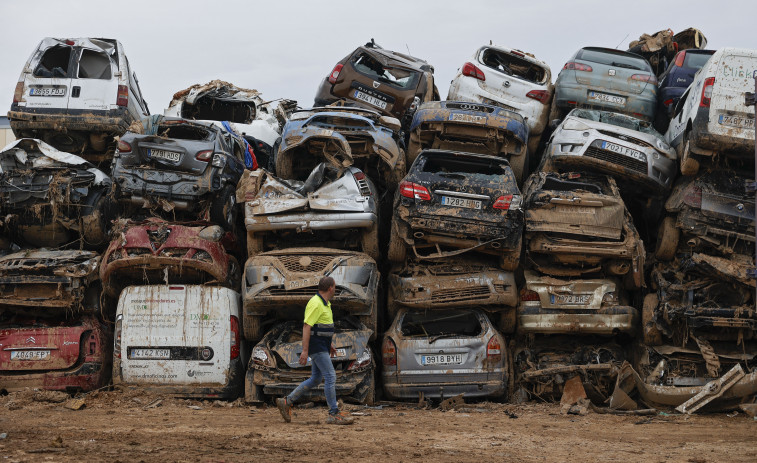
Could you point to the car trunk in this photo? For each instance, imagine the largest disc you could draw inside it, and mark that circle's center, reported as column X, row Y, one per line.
column 509, row 76
column 41, row 346
column 94, row 88
column 566, row 294
column 47, row 80
column 733, row 78
column 174, row 148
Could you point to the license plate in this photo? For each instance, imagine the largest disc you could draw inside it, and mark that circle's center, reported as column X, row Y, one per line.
column 47, row 91
column 442, row 359
column 456, row 117
column 159, row 354
column 461, row 202
column 618, row 100
column 302, row 283
column 369, row 99
column 571, row 299
column 30, row 354
column 735, row 121
column 632, row 153
column 163, row 154
column 341, row 353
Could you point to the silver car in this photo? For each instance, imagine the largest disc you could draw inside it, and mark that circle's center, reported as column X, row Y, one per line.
column 614, row 144
column 443, row 353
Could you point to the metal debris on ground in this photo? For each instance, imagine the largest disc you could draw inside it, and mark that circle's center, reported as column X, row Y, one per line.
column 452, row 402
column 712, row 390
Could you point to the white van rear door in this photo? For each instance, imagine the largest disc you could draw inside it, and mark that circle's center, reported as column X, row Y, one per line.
column 176, row 334
column 733, row 78
column 47, row 76
column 95, row 87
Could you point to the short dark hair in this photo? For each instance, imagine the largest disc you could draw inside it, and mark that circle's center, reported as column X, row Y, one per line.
column 326, row 283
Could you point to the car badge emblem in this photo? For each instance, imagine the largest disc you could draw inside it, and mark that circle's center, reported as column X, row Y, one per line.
column 376, row 84
column 611, row 72
column 506, row 83
column 31, row 340
column 740, row 206
column 305, row 261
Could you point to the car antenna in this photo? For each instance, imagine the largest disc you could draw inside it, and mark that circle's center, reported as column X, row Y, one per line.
column 408, row 48
column 624, row 38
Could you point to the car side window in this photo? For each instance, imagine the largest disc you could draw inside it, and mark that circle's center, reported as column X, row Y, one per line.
column 94, row 65
column 54, row 62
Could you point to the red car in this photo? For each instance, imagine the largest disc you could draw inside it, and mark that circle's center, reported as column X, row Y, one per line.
column 70, row 356
column 156, row 251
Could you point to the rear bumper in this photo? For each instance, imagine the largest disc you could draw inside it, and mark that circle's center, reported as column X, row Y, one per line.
column 708, row 135
column 115, row 121
column 311, row 221
column 454, row 385
column 644, row 103
column 448, row 291
column 354, row 386
column 86, row 377
column 465, row 233
column 606, row 321
column 136, row 185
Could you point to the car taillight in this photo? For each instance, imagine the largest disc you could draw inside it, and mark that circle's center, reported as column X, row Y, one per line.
column 261, row 356
column 335, row 73
column 389, row 352
column 648, row 78
column 124, row 147
column 573, row 66
column 19, row 92
column 529, row 296
column 493, row 349
column 234, row 338
column 668, row 102
column 707, row 92
column 204, row 155
column 362, row 183
column 680, row 57
column 472, row 71
column 693, row 196
column 363, row 360
column 507, row 201
column 123, row 96
column 414, row 191
column 540, row 95
column 117, row 338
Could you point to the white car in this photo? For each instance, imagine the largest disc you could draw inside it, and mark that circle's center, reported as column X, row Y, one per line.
column 711, row 117
column 509, row 78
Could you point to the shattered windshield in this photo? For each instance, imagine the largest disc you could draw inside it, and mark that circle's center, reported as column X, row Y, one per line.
column 398, row 77
column 441, row 323
column 513, row 65
column 618, row 120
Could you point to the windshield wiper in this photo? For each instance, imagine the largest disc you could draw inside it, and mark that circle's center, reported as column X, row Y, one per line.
column 433, row 339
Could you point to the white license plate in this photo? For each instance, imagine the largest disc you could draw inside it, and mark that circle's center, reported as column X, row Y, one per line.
column 30, row 354
column 369, row 99
column 302, row 283
column 47, row 91
column 461, row 202
column 457, row 117
column 167, row 155
column 341, row 352
column 571, row 299
column 618, row 100
column 442, row 359
column 638, row 155
column 159, row 354
column 735, row 121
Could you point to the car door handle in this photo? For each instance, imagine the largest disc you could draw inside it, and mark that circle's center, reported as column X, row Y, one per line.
column 75, row 92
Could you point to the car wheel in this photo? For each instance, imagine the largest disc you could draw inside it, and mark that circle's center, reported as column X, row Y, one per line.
column 223, row 209
column 95, row 224
column 252, row 327
column 507, row 321
column 255, row 244
column 284, row 166
column 369, row 242
column 689, row 165
column 650, row 333
column 668, row 236
column 397, row 248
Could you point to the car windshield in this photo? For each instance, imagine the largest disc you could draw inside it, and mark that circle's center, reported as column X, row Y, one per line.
column 441, row 323
column 463, row 167
column 613, row 58
column 399, row 77
column 617, row 119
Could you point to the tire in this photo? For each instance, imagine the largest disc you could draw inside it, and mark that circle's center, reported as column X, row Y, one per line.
column 284, row 166
column 689, row 165
column 369, row 242
column 668, row 236
column 255, row 244
column 95, row 225
column 650, row 333
column 252, row 326
column 507, row 321
column 397, row 251
column 223, row 209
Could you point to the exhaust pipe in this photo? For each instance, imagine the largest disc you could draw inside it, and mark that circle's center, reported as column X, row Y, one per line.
column 418, row 234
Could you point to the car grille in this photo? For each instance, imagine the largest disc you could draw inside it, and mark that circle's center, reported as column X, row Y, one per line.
column 625, row 138
column 615, row 158
column 317, row 263
column 461, row 294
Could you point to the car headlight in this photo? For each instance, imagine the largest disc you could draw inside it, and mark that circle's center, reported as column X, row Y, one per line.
column 573, row 124
column 261, row 356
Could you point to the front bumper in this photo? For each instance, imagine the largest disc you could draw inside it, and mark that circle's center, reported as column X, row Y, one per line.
column 86, row 377
column 310, row 220
column 448, row 291
column 605, row 321
column 355, row 385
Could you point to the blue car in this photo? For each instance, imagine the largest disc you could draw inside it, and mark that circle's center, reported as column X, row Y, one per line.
column 675, row 80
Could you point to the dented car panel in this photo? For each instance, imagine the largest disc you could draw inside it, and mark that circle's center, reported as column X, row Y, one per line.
column 71, row 355
column 274, row 367
column 156, row 251
column 586, row 306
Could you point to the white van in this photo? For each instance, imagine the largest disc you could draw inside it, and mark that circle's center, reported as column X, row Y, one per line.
column 711, row 117
column 76, row 94
column 183, row 340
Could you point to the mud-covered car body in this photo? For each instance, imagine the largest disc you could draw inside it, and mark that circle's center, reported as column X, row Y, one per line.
column 54, row 354
column 442, row 354
column 153, row 251
column 329, row 204
column 471, row 128
column 376, row 78
column 49, row 198
column 342, row 136
column 274, row 368
column 278, row 284
column 616, row 144
column 461, row 201
column 674, row 82
column 577, row 224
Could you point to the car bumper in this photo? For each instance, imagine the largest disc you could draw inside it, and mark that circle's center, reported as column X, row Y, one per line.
column 467, row 232
column 570, row 95
column 354, row 385
column 448, row 291
column 452, row 385
column 86, row 377
column 112, row 121
column 709, row 137
column 184, row 191
column 605, row 321
column 310, row 221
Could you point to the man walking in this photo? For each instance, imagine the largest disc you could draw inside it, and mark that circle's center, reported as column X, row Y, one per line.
column 317, row 331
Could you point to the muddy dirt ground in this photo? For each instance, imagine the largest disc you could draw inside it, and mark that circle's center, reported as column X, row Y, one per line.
column 132, row 426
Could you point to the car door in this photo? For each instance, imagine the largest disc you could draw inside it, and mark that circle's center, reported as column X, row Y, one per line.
column 95, row 86
column 47, row 76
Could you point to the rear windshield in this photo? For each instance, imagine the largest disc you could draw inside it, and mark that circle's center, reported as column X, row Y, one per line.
column 617, row 119
column 398, row 77
column 613, row 58
column 441, row 322
column 94, row 65
column 696, row 60
column 464, row 166
column 184, row 132
column 54, row 62
column 513, row 66
column 553, row 183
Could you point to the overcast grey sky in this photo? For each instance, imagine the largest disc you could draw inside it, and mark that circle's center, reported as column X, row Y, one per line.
column 284, row 49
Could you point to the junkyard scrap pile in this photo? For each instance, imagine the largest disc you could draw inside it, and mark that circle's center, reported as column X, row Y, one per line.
column 519, row 241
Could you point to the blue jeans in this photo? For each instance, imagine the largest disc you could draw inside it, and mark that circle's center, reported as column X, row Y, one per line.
column 321, row 367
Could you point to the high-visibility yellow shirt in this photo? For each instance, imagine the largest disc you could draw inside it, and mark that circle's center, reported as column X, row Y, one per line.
column 318, row 311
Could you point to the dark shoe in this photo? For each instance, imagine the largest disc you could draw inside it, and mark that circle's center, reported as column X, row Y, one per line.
column 285, row 408
column 339, row 418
